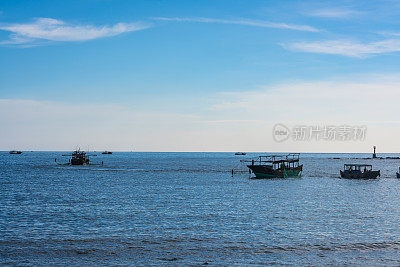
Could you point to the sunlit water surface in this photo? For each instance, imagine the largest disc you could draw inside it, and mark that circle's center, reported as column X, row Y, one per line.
column 187, row 208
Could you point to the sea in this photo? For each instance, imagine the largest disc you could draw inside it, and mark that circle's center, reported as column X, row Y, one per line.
column 152, row 209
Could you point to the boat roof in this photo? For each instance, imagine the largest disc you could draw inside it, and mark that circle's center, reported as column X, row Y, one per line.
column 276, row 159
column 358, row 165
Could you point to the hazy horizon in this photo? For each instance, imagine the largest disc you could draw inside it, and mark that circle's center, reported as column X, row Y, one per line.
column 197, row 76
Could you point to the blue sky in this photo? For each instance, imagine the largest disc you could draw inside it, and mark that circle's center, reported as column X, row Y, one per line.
column 191, row 73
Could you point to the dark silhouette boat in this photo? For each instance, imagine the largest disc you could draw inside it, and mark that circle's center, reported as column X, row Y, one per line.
column 276, row 166
column 79, row 157
column 240, row 153
column 15, row 152
column 106, row 153
column 359, row 171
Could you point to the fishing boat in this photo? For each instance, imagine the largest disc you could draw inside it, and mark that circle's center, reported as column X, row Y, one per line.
column 106, row 153
column 276, row 166
column 240, row 153
column 78, row 157
column 359, row 171
column 15, row 152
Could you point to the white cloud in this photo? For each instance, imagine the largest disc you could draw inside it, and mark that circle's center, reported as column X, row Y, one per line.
column 63, row 126
column 234, row 121
column 354, row 101
column 41, row 125
column 16, row 39
column 390, row 33
column 333, row 13
column 347, row 47
column 248, row 22
column 57, row 30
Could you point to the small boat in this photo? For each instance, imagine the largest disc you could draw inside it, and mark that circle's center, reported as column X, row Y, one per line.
column 240, row 153
column 78, row 157
column 359, row 171
column 15, row 152
column 398, row 173
column 276, row 166
column 106, row 153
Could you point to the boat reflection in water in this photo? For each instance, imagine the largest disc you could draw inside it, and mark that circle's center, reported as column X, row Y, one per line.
column 276, row 166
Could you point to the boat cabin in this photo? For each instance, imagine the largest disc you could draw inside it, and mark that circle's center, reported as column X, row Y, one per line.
column 277, row 162
column 359, row 171
column 357, row 167
column 276, row 166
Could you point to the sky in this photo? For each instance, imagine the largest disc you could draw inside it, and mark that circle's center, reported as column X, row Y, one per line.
column 211, row 75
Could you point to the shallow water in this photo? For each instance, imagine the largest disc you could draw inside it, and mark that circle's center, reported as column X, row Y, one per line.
column 187, row 208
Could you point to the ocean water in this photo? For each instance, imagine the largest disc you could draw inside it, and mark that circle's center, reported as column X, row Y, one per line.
column 188, row 209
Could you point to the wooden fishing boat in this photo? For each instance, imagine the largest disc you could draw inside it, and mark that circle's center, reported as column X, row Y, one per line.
column 276, row 166
column 78, row 157
column 359, row 171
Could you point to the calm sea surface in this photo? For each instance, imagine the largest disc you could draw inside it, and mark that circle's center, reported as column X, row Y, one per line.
column 187, row 208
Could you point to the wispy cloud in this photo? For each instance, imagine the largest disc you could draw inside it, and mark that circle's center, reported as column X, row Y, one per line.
column 247, row 22
column 347, row 47
column 336, row 101
column 57, row 30
column 390, row 33
column 316, row 100
column 333, row 13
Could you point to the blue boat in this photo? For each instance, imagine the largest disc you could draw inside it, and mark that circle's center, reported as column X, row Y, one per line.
column 359, row 171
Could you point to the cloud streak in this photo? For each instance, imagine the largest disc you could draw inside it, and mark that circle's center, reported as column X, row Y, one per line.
column 347, row 47
column 338, row 101
column 329, row 100
column 49, row 29
column 246, row 22
column 333, row 13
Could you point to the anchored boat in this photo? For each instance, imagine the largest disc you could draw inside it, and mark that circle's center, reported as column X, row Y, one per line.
column 276, row 166
column 15, row 152
column 359, row 171
column 79, row 157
